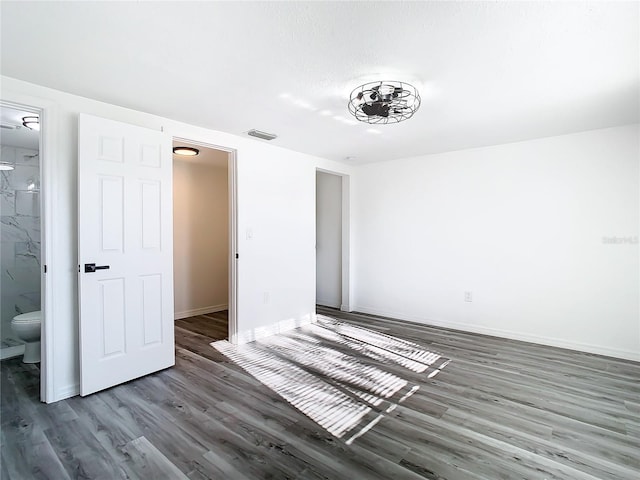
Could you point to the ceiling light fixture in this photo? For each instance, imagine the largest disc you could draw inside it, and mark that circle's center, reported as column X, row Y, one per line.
column 5, row 166
column 384, row 102
column 186, row 151
column 31, row 122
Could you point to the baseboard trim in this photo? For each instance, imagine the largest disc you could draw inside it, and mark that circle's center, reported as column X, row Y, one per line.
column 509, row 334
column 247, row 336
column 10, row 352
column 200, row 311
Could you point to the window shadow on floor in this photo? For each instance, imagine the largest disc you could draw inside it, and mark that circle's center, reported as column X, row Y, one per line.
column 344, row 377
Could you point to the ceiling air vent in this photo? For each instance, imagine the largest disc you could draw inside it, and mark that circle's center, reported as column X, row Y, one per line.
column 262, row 135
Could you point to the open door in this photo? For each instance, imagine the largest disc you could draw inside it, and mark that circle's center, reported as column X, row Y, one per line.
column 125, row 252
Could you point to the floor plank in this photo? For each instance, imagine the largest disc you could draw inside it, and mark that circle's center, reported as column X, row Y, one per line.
column 499, row 409
column 150, row 462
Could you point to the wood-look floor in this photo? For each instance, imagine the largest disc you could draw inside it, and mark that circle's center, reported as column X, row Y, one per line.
column 500, row 410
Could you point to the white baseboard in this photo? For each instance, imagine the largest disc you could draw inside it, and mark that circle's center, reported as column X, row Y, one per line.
column 200, row 311
column 10, row 352
column 247, row 336
column 496, row 332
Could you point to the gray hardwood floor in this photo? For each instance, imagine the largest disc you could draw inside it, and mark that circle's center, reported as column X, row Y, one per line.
column 499, row 409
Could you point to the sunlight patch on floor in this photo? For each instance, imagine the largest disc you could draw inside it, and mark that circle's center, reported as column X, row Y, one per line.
column 323, row 403
column 317, row 370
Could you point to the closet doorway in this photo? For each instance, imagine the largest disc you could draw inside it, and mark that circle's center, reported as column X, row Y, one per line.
column 332, row 240
column 203, row 238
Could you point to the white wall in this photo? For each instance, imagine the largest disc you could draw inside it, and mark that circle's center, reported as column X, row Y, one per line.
column 328, row 239
column 521, row 226
column 276, row 204
column 200, row 236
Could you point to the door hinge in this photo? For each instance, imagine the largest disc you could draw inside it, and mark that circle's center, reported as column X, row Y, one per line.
column 237, row 256
column 45, row 268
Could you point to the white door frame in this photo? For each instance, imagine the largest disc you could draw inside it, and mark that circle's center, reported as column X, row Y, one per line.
column 345, row 302
column 45, row 111
column 232, row 171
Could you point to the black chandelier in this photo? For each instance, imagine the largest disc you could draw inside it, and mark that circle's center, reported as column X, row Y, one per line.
column 384, row 102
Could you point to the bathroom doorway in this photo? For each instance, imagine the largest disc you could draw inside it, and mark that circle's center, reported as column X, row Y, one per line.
column 202, row 234
column 21, row 235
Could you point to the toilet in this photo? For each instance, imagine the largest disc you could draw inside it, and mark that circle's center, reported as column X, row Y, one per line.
column 27, row 328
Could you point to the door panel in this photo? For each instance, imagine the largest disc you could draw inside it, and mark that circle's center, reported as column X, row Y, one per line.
column 152, row 308
column 151, row 214
column 112, row 219
column 112, row 316
column 124, row 222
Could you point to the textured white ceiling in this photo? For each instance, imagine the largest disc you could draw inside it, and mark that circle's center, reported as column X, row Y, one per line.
column 488, row 72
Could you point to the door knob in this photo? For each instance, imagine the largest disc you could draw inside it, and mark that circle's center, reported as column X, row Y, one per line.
column 91, row 267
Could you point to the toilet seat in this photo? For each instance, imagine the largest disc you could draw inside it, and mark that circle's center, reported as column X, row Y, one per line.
column 27, row 318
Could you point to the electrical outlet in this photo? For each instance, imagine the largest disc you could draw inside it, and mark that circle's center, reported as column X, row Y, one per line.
column 468, row 297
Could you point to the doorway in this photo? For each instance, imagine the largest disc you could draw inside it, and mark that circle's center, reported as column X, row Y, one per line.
column 203, row 226
column 23, row 285
column 332, row 240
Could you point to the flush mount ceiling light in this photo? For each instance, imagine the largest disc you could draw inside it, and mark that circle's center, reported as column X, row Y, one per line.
column 5, row 166
column 186, row 151
column 384, row 102
column 31, row 122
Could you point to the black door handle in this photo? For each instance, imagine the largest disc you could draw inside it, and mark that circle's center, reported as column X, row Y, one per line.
column 91, row 267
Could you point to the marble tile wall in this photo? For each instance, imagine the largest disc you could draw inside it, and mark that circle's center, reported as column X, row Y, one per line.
column 19, row 235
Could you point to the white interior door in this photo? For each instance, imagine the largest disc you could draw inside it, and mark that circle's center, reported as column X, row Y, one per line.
column 125, row 227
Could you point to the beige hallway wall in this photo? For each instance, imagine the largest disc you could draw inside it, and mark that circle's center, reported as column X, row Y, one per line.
column 200, row 233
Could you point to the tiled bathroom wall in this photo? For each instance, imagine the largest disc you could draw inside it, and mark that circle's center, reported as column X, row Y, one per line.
column 19, row 236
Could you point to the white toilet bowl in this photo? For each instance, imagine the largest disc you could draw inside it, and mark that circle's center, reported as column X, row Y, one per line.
column 27, row 328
